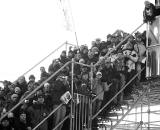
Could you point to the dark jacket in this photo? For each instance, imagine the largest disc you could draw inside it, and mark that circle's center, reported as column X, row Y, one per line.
column 22, row 125
column 63, row 60
column 37, row 113
column 108, row 74
column 9, row 127
column 23, row 87
column 58, row 90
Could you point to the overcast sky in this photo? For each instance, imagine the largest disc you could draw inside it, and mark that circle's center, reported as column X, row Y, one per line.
column 31, row 29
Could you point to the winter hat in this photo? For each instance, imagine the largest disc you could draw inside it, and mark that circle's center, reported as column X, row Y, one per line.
column 82, row 61
column 98, row 73
column 14, row 96
column 64, row 52
column 17, row 90
column 46, row 84
column 31, row 76
column 95, row 50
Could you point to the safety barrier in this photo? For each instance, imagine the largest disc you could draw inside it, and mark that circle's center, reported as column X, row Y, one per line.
column 81, row 110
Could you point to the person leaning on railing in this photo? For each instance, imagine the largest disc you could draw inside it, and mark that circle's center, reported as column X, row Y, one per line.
column 60, row 86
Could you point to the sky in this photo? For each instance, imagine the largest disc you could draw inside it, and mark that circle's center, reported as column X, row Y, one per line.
column 31, row 29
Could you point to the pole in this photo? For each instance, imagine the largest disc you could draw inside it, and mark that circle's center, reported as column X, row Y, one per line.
column 147, row 40
column 141, row 122
column 72, row 94
column 76, row 38
column 90, row 100
column 135, row 116
column 69, row 17
column 75, row 33
column 149, row 111
column 66, row 47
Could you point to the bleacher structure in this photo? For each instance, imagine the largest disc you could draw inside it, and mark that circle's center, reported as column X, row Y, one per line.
column 141, row 112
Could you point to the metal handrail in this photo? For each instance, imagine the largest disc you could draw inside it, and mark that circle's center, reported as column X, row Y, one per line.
column 99, row 94
column 13, row 108
column 53, row 111
column 61, row 122
column 43, row 59
column 82, row 64
column 117, row 94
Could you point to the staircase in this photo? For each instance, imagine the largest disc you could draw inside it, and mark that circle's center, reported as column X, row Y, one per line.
column 141, row 112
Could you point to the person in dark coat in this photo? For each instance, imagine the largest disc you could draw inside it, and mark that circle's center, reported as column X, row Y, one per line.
column 44, row 75
column 23, row 122
column 6, row 124
column 49, row 103
column 63, row 57
column 38, row 112
column 22, row 84
column 11, row 103
column 60, row 87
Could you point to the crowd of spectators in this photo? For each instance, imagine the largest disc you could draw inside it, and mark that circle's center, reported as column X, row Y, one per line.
column 109, row 75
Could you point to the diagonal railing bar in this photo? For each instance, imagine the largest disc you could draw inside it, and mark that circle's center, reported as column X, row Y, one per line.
column 135, row 103
column 82, row 64
column 100, row 94
column 106, row 56
column 34, row 90
column 116, row 94
column 47, row 117
column 62, row 121
column 43, row 59
column 71, row 44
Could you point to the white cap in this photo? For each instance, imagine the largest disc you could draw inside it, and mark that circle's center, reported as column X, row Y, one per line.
column 98, row 73
column 46, row 84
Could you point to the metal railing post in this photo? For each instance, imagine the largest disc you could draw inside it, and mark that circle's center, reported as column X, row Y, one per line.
column 149, row 111
column 141, row 122
column 66, row 46
column 90, row 100
column 147, row 40
column 72, row 94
